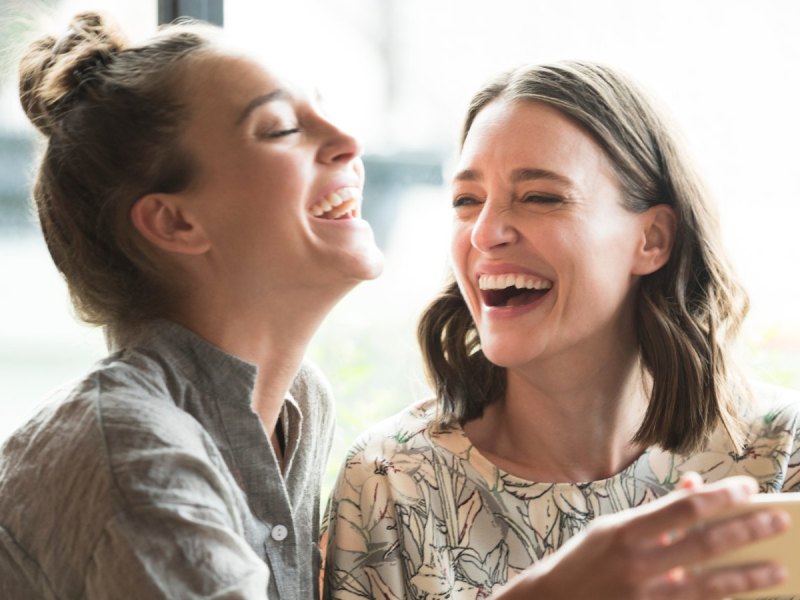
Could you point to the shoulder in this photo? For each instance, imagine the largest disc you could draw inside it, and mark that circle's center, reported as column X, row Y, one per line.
column 156, row 451
column 116, row 424
column 312, row 392
column 408, row 428
column 136, row 409
column 113, row 441
column 63, row 432
column 399, row 442
column 74, row 423
column 310, row 378
column 391, row 464
column 772, row 426
column 772, row 410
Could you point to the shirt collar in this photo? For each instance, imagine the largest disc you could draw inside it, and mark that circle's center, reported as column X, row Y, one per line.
column 210, row 369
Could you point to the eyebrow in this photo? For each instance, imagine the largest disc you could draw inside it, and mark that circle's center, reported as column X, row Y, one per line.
column 517, row 176
column 274, row 95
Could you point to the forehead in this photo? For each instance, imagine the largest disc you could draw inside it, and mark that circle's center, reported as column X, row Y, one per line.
column 218, row 82
column 517, row 133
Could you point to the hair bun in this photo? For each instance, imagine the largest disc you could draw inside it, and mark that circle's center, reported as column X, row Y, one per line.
column 55, row 69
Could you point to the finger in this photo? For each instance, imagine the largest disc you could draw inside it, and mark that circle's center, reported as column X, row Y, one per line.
column 690, row 480
column 715, row 584
column 719, row 583
column 684, row 509
column 701, row 544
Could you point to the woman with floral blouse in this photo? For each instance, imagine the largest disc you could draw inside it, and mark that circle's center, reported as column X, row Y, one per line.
column 588, row 426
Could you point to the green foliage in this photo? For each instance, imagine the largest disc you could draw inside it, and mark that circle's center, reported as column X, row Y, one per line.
column 772, row 355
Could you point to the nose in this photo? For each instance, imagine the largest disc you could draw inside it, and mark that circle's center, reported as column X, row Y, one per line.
column 338, row 145
column 494, row 227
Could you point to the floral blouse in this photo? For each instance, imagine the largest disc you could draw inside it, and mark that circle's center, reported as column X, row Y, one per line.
column 418, row 513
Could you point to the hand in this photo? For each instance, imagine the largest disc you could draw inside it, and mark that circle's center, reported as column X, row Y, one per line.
column 651, row 552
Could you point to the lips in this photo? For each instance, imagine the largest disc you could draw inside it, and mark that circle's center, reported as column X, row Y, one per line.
column 340, row 204
column 512, row 289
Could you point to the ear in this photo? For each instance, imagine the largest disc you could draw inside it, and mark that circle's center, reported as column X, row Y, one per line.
column 160, row 219
column 659, row 226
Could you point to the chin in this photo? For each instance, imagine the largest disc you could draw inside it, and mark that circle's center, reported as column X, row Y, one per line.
column 369, row 267
column 375, row 267
column 363, row 264
column 505, row 355
column 366, row 259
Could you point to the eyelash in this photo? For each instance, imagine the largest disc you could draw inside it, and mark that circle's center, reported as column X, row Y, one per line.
column 285, row 132
column 280, row 133
column 464, row 201
column 530, row 198
column 541, row 199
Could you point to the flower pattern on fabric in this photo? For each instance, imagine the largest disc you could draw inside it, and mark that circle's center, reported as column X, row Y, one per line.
column 419, row 514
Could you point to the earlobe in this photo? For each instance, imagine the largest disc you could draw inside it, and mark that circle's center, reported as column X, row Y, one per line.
column 160, row 219
column 660, row 225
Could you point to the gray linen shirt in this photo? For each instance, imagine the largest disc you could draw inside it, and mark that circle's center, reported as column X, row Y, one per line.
column 154, row 478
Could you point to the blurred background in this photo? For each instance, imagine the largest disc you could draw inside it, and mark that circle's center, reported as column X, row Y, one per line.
column 399, row 73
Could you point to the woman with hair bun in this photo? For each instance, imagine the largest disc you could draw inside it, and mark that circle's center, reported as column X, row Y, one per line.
column 588, row 419
column 206, row 213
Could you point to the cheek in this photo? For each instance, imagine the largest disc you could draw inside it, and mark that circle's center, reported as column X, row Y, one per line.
column 460, row 247
column 604, row 266
column 265, row 166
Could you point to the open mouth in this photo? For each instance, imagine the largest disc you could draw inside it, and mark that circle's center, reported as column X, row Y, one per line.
column 512, row 289
column 338, row 205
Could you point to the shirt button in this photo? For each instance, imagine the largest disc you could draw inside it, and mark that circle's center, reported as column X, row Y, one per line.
column 279, row 533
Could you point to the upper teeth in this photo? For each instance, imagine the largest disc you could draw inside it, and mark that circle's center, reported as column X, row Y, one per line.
column 500, row 282
column 335, row 199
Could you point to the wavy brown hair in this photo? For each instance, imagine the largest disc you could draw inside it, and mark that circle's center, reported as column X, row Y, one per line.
column 111, row 115
column 687, row 313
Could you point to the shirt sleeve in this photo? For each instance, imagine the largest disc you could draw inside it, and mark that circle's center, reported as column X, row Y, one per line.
column 172, row 527
column 174, row 551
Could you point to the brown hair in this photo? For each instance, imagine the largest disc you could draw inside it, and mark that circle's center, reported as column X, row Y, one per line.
column 111, row 115
column 687, row 312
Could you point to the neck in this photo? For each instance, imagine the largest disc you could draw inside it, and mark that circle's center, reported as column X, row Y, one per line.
column 569, row 424
column 272, row 335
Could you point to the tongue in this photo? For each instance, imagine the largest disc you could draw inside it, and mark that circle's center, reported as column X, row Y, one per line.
column 525, row 297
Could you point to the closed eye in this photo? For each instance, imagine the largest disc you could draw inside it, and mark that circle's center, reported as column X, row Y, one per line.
column 282, row 132
column 464, row 201
column 542, row 199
